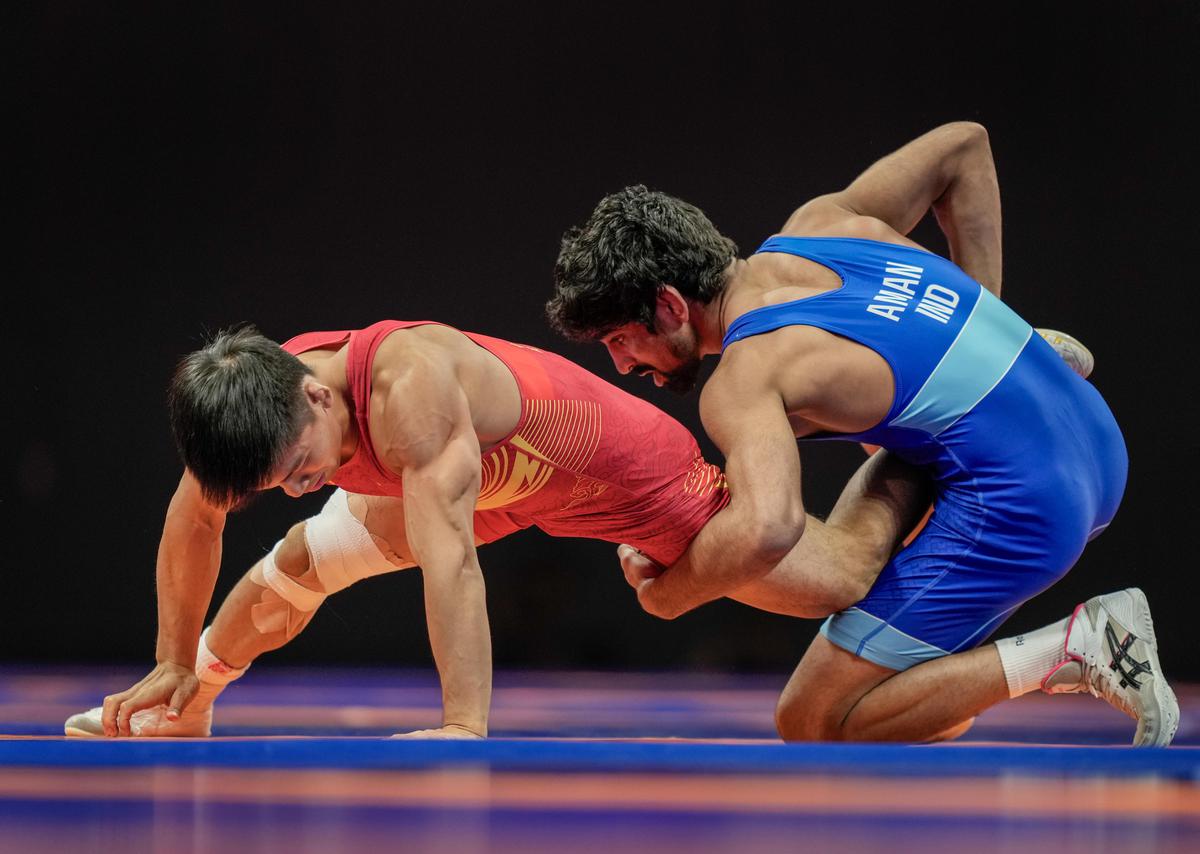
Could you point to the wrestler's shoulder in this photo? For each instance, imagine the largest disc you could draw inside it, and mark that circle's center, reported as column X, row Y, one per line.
column 421, row 362
column 769, row 353
column 429, row 339
column 829, row 216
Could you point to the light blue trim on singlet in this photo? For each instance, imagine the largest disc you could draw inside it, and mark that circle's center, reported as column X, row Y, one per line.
column 981, row 355
column 854, row 628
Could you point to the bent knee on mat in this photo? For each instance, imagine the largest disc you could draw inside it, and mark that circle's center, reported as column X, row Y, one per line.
column 801, row 728
column 818, row 702
column 806, row 715
column 953, row 732
column 795, row 725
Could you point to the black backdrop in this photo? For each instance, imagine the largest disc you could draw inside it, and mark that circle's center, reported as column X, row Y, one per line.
column 180, row 168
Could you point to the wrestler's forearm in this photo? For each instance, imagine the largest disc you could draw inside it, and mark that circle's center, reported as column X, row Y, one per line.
column 719, row 561
column 441, row 485
column 189, row 558
column 456, row 610
column 968, row 212
column 744, row 414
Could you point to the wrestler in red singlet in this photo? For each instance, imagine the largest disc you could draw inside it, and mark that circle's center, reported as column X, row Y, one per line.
column 585, row 460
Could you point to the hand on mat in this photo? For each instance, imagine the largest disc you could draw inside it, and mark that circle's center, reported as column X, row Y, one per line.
column 636, row 566
column 446, row 732
column 169, row 684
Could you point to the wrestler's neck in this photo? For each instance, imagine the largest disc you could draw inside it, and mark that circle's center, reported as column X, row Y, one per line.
column 329, row 369
column 711, row 319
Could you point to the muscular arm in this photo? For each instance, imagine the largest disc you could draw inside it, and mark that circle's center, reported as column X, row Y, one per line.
column 949, row 170
column 431, row 440
column 746, row 418
column 189, row 557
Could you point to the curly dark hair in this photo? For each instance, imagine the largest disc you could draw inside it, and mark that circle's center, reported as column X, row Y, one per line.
column 236, row 406
column 609, row 270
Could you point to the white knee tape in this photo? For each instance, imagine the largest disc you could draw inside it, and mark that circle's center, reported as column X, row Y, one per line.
column 289, row 589
column 341, row 548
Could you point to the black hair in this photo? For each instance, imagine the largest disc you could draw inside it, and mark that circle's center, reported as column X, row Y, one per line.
column 610, row 269
column 236, row 406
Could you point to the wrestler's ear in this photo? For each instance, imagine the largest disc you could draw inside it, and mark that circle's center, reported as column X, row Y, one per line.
column 319, row 395
column 671, row 309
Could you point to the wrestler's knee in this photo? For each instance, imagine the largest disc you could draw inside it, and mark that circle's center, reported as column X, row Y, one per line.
column 291, row 593
column 850, row 589
column 796, row 720
column 853, row 559
column 954, row 732
column 844, row 586
column 291, row 555
column 810, row 707
column 828, row 684
column 343, row 551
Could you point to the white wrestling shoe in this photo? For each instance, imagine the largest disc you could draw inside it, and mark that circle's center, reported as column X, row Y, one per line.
column 1072, row 351
column 1114, row 655
column 148, row 723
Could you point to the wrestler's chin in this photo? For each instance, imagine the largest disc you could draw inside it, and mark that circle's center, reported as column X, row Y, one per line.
column 682, row 380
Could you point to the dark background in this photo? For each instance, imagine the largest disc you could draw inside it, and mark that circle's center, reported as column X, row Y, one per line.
column 178, row 168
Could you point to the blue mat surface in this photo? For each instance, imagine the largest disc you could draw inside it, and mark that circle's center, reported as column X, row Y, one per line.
column 564, row 755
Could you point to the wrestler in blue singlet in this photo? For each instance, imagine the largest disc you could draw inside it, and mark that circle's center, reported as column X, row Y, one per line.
column 1027, row 460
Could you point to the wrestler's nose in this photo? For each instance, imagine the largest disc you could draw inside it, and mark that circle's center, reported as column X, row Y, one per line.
column 622, row 361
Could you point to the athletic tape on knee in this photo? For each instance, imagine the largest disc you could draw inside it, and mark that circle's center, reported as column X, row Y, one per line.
column 341, row 548
column 288, row 588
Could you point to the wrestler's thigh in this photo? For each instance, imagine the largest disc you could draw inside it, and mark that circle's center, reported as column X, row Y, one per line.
column 383, row 517
column 881, row 503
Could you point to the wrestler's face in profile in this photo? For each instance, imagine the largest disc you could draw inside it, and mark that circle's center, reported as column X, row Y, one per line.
column 672, row 358
column 311, row 460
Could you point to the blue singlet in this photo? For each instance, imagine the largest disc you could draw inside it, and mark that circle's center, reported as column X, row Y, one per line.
column 1027, row 460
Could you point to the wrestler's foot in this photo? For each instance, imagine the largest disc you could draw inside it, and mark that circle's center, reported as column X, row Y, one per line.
column 1112, row 654
column 148, row 723
column 1072, row 351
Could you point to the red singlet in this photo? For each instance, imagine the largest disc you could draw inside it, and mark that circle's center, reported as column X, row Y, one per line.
column 585, row 460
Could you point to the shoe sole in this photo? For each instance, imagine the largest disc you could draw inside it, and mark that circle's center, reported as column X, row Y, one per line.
column 74, row 726
column 1164, row 697
column 1071, row 350
column 75, row 732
